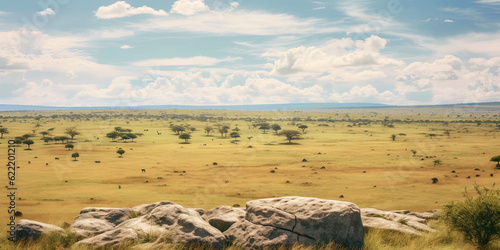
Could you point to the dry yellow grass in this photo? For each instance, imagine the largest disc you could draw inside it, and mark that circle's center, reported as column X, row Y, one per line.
column 394, row 177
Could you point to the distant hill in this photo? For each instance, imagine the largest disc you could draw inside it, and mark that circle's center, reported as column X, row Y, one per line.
column 261, row 107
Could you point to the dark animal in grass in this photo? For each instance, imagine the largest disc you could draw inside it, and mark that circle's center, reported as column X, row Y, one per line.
column 143, row 170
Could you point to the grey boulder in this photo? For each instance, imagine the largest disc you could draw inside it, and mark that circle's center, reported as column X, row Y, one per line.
column 28, row 229
column 223, row 217
column 303, row 220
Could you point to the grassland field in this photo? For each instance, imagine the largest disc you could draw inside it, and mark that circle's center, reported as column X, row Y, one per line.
column 361, row 161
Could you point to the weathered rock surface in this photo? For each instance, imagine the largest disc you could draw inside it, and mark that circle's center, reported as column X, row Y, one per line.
column 289, row 220
column 28, row 229
column 159, row 224
column 401, row 221
column 223, row 217
column 263, row 224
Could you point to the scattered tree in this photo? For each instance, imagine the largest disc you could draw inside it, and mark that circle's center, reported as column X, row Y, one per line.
column 234, row 135
column 276, row 127
column 3, row 131
column 477, row 217
column 120, row 152
column 497, row 160
column 303, row 127
column 264, row 126
column 413, row 151
column 44, row 133
column 249, row 138
column 47, row 139
column 61, row 139
column 208, row 129
column 75, row 155
column 185, row 136
column 131, row 136
column 178, row 129
column 72, row 132
column 437, row 162
column 28, row 142
column 69, row 146
column 113, row 135
column 393, row 136
column 290, row 134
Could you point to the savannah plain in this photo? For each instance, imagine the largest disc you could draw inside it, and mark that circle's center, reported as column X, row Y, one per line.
column 350, row 153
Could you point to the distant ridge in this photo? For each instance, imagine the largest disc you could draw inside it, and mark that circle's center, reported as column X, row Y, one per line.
column 256, row 107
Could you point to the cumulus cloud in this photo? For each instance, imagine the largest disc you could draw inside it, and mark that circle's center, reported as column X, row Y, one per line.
column 447, row 68
column 126, row 46
column 334, row 54
column 189, row 7
column 123, row 9
column 448, row 21
column 47, row 12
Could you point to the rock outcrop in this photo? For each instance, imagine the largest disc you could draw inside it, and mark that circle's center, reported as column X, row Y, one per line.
column 401, row 221
column 223, row 217
column 158, row 224
column 32, row 230
column 289, row 220
column 264, row 223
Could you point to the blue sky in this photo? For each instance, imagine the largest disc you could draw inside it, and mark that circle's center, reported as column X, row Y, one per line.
column 219, row 52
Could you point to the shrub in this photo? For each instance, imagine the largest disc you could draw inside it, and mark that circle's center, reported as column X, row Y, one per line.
column 478, row 218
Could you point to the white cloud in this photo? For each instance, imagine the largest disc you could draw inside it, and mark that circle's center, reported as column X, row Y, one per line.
column 123, row 9
column 236, row 23
column 474, row 42
column 189, row 7
column 448, row 21
column 488, row 1
column 197, row 60
column 332, row 55
column 126, row 46
column 47, row 12
column 319, row 8
column 447, row 68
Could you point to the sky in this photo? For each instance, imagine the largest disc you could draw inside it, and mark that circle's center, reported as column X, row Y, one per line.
column 224, row 52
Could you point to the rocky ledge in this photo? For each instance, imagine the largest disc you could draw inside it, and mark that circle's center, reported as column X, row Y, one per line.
column 264, row 223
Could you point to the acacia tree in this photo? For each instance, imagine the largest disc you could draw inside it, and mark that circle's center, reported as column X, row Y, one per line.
column 113, row 135
column 234, row 135
column 290, row 134
column 178, row 129
column 303, row 127
column 72, row 132
column 47, row 139
column 131, row 136
column 120, row 152
column 264, row 126
column 3, row 131
column 497, row 160
column 75, row 155
column 44, row 133
column 208, row 129
column 185, row 136
column 69, row 146
column 276, row 127
column 28, row 142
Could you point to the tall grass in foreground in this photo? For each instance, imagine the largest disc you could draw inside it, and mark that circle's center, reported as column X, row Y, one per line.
column 443, row 238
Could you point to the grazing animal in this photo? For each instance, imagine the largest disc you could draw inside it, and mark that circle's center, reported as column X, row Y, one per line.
column 341, row 196
column 304, row 160
column 323, row 167
column 57, row 158
column 453, row 172
column 29, row 162
column 143, row 170
column 46, row 164
column 491, row 175
column 215, row 163
column 97, row 161
column 227, row 181
column 159, row 178
column 477, row 169
column 272, row 171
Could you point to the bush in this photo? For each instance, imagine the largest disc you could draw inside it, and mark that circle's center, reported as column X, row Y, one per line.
column 478, row 218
